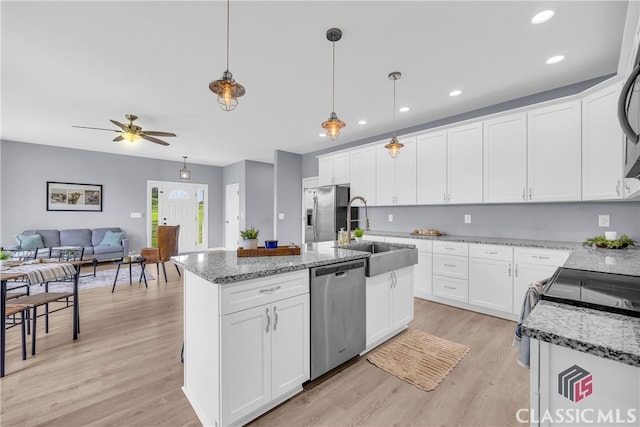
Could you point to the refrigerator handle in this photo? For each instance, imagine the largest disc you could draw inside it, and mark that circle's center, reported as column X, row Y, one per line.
column 314, row 218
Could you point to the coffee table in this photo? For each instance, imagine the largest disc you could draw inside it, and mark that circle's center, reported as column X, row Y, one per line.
column 138, row 260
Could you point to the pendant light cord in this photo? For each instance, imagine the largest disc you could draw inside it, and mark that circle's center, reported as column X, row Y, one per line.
column 394, row 107
column 333, row 95
column 228, row 35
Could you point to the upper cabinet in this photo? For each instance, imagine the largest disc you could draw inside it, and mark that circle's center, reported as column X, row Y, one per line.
column 505, row 159
column 334, row 169
column 432, row 168
column 554, row 153
column 363, row 174
column 396, row 178
column 464, row 164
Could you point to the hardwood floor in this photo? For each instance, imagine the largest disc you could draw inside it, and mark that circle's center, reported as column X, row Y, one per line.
column 125, row 370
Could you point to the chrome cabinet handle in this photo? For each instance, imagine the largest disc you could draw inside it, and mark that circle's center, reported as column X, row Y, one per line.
column 275, row 314
column 444, row 197
column 449, row 287
column 448, row 197
column 516, row 270
column 524, row 196
column 395, row 280
column 618, row 188
column 268, row 319
column 269, row 290
column 450, row 265
column 509, row 270
column 530, row 194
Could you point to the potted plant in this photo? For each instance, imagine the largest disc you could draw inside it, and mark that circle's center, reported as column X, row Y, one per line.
column 603, row 242
column 249, row 238
column 358, row 233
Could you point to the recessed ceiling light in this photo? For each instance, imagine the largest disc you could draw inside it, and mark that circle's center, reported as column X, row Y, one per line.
column 404, row 109
column 555, row 59
column 322, row 135
column 455, row 92
column 362, row 122
column 541, row 17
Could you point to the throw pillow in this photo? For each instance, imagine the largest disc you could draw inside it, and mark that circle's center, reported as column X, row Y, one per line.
column 112, row 238
column 29, row 241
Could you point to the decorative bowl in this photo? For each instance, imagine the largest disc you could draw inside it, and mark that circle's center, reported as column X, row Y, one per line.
column 270, row 244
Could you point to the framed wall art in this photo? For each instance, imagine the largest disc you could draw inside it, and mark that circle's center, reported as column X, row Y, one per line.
column 67, row 196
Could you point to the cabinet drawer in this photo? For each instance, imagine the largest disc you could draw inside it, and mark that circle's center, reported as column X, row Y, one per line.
column 421, row 244
column 252, row 293
column 448, row 287
column 540, row 256
column 502, row 253
column 451, row 266
column 451, row 248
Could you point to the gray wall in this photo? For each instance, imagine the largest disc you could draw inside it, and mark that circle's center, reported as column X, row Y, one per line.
column 26, row 168
column 571, row 222
column 288, row 197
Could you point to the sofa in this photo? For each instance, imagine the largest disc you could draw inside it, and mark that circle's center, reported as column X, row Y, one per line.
column 100, row 244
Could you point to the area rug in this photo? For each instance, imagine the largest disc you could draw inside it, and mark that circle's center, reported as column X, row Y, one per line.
column 419, row 358
column 103, row 278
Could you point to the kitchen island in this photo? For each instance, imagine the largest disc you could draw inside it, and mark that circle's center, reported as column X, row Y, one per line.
column 246, row 329
column 585, row 363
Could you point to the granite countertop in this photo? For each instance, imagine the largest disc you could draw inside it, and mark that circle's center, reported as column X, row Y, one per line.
column 608, row 335
column 618, row 261
column 544, row 244
column 226, row 267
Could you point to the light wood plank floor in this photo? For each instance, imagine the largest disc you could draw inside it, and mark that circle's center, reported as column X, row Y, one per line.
column 125, row 370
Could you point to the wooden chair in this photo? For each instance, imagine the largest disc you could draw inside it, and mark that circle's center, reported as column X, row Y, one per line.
column 10, row 313
column 167, row 247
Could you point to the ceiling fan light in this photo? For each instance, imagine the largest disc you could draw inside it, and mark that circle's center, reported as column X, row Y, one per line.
column 394, row 147
column 131, row 137
column 228, row 91
column 333, row 126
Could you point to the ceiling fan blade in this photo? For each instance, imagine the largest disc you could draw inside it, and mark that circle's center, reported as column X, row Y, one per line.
column 86, row 127
column 156, row 133
column 152, row 139
column 120, row 125
column 118, row 138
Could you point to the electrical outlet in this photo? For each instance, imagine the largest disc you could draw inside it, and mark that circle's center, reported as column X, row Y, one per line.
column 280, row 215
column 603, row 220
column 390, row 218
column 467, row 219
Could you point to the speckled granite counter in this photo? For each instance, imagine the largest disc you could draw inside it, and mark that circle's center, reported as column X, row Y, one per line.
column 618, row 261
column 608, row 335
column 545, row 244
column 226, row 267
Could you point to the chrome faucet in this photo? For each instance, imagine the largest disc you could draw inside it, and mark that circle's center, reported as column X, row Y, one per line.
column 366, row 214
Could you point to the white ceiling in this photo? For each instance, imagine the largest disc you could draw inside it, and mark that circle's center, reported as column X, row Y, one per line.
column 85, row 62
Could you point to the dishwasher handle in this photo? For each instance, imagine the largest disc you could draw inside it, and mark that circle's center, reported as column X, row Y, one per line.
column 336, row 269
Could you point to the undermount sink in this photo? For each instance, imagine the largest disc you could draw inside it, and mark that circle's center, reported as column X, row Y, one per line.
column 385, row 257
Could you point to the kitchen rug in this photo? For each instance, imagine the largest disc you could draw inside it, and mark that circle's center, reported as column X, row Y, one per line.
column 419, row 358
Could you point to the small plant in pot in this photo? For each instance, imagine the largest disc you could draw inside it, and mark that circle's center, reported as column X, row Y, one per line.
column 358, row 233
column 249, row 238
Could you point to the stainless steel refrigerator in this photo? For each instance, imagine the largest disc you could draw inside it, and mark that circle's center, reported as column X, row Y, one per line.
column 326, row 212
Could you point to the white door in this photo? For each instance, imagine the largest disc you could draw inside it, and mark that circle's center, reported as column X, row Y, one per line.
column 289, row 344
column 342, row 168
column 402, row 297
column 406, row 173
column 325, row 171
column 432, row 168
column 491, row 284
column 232, row 217
column 385, row 177
column 363, row 174
column 378, row 307
column 464, row 164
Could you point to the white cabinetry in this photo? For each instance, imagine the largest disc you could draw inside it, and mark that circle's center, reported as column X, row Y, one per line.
column 432, row 168
column 491, row 277
column 389, row 305
column 363, row 174
column 451, row 270
column 334, row 169
column 531, row 264
column 464, row 164
column 396, row 178
column 423, row 271
column 505, row 159
column 602, row 146
column 554, row 153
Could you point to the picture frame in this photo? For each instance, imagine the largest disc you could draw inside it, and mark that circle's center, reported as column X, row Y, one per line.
column 69, row 196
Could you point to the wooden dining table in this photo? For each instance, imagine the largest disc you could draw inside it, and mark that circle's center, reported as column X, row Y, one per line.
column 7, row 275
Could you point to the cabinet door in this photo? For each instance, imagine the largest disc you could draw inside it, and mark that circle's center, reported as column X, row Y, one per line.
column 491, row 284
column 432, row 168
column 378, row 307
column 448, row 287
column 602, row 146
column 289, row 344
column 246, row 362
column 363, row 174
column 385, row 177
column 342, row 168
column 423, row 275
column 505, row 159
column 402, row 298
column 525, row 274
column 464, row 164
column 554, row 153
column 406, row 173
column 325, row 170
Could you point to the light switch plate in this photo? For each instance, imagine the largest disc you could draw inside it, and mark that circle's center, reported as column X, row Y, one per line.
column 603, row 220
column 136, row 215
column 467, row 219
column 390, row 218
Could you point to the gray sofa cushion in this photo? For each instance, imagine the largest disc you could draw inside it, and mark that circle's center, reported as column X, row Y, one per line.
column 99, row 250
column 50, row 238
column 77, row 237
column 98, row 234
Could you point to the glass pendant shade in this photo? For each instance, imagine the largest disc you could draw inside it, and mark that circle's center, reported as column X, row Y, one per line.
column 131, row 137
column 394, row 147
column 185, row 174
column 228, row 91
column 333, row 126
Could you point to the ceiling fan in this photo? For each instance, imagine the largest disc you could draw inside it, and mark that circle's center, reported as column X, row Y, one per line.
column 132, row 133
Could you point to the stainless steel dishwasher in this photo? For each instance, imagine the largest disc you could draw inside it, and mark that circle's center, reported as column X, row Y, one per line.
column 338, row 315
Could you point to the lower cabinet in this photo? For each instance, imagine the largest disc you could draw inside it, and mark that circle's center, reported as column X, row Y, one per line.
column 389, row 304
column 491, row 277
column 423, row 271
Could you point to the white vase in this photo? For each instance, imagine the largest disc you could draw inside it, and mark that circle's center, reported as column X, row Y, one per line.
column 249, row 243
column 358, row 239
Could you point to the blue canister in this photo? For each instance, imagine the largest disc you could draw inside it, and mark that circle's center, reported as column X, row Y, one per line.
column 270, row 244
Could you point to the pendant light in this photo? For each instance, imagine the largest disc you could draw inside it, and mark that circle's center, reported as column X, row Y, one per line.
column 185, row 174
column 227, row 89
column 334, row 124
column 394, row 146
